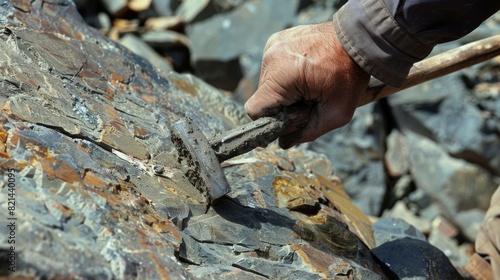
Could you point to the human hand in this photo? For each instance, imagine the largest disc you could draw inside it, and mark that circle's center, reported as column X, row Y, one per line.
column 308, row 64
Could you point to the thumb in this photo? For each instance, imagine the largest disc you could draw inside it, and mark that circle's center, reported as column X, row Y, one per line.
column 266, row 102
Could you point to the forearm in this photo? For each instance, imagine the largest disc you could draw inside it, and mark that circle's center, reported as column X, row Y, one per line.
column 385, row 37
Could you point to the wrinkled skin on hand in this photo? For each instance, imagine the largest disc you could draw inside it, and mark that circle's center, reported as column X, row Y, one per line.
column 308, row 63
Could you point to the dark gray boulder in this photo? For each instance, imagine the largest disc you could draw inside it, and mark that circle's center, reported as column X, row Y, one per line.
column 411, row 258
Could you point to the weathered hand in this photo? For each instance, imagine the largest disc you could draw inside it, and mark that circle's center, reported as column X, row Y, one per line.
column 308, row 63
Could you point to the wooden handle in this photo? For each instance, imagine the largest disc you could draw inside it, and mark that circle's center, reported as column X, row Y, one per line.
column 437, row 66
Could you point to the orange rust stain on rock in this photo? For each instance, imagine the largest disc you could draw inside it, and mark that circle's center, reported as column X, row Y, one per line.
column 163, row 271
column 157, row 243
column 57, row 168
column 3, row 136
column 290, row 194
column 92, row 179
column 169, row 227
column 15, row 165
column 140, row 132
column 141, row 233
column 109, row 97
column 113, row 116
column 28, row 144
column 309, row 184
column 39, row 151
column 3, row 143
column 109, row 198
column 148, row 219
column 109, row 94
column 116, row 77
column 106, row 133
column 116, row 125
column 149, row 98
column 258, row 197
column 319, row 260
column 140, row 202
column 357, row 221
column 6, row 109
column 65, row 210
column 113, row 215
column 110, row 91
column 334, row 185
column 87, row 74
column 5, row 155
column 23, row 5
column 118, row 84
column 124, row 196
column 116, row 135
column 79, row 36
column 185, row 86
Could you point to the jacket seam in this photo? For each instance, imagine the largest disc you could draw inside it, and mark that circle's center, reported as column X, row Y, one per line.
column 399, row 27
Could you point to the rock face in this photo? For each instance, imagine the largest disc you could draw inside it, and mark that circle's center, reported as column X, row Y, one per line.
column 99, row 192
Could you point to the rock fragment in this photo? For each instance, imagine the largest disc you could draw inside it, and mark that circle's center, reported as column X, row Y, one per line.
column 396, row 156
column 401, row 212
column 446, row 180
column 388, row 229
column 189, row 10
column 115, row 7
column 441, row 236
column 470, row 222
column 411, row 258
column 163, row 23
column 165, row 7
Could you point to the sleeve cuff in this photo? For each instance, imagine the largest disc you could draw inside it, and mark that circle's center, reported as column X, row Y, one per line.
column 372, row 37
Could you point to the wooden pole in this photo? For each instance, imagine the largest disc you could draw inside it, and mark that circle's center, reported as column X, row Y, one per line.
column 437, row 66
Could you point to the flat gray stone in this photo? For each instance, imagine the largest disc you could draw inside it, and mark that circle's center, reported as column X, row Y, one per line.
column 388, row 229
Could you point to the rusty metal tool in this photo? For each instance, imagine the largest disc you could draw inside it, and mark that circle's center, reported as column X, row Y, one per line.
column 204, row 155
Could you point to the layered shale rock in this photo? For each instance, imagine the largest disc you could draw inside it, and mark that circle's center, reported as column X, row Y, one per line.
column 99, row 192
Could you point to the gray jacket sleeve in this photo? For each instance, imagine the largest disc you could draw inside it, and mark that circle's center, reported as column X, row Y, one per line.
column 385, row 37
